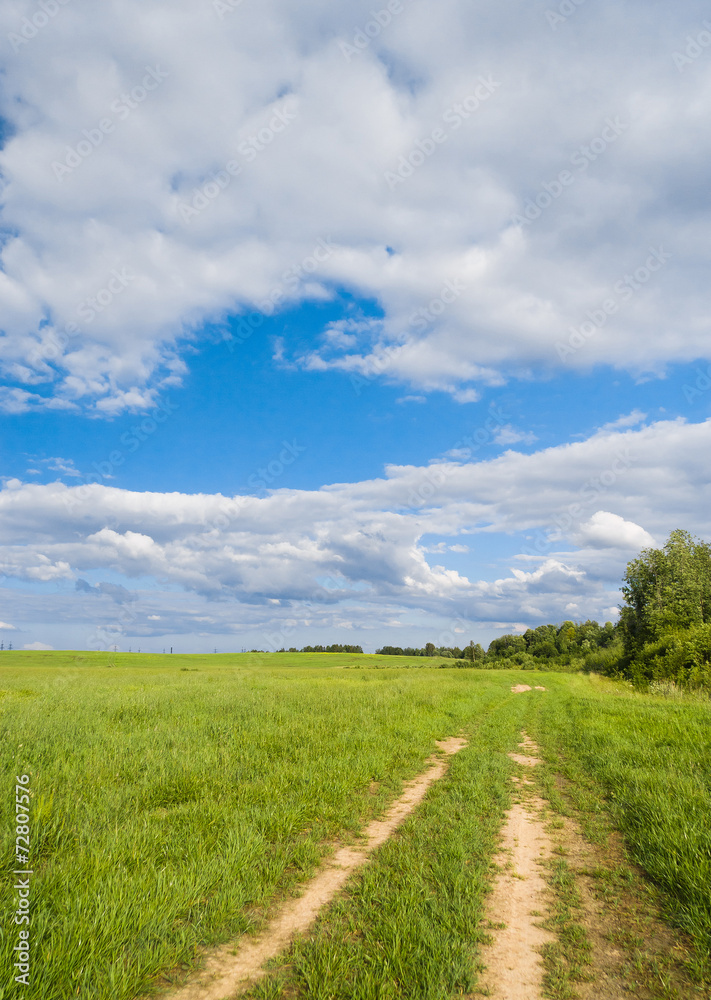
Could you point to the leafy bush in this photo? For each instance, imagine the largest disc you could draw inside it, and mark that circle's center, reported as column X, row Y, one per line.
column 681, row 657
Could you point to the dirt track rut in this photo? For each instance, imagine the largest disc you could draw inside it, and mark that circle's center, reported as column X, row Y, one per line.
column 514, row 968
column 231, row 969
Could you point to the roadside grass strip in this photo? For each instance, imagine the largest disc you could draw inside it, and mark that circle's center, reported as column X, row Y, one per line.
column 640, row 765
column 610, row 938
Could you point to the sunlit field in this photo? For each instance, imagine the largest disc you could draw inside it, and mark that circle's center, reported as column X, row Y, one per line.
column 176, row 799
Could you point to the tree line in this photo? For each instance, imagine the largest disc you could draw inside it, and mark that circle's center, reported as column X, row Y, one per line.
column 335, row 648
column 471, row 652
column 663, row 633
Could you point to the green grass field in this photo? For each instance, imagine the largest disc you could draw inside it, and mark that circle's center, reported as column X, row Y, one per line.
column 176, row 798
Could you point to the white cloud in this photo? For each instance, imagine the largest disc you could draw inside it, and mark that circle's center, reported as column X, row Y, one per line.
column 466, row 395
column 5, row 627
column 633, row 419
column 510, row 435
column 104, row 280
column 357, row 549
column 14, row 401
column 65, row 466
column 606, row 530
column 39, row 646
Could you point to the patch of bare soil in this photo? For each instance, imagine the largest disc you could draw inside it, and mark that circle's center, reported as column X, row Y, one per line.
column 520, row 688
column 514, row 967
column 231, row 969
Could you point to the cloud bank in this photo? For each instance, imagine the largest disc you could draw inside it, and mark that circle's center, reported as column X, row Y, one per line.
column 517, row 192
column 577, row 512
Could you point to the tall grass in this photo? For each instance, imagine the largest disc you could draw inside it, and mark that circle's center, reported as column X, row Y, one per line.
column 170, row 806
column 176, row 799
column 652, row 758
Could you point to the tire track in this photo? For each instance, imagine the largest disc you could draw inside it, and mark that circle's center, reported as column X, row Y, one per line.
column 231, row 969
column 514, row 967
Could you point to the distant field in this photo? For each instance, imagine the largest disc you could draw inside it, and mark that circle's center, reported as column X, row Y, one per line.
column 176, row 797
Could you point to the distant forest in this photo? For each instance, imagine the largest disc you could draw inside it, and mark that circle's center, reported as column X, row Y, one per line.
column 663, row 634
column 321, row 649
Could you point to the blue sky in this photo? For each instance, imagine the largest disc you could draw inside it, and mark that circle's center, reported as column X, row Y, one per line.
column 469, row 253
column 235, row 410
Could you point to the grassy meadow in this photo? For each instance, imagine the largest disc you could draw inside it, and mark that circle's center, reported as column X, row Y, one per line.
column 177, row 798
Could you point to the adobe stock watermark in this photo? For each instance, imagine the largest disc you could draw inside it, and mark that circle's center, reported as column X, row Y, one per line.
column 246, row 325
column 222, row 7
column 624, row 290
column 581, row 159
column 423, row 317
column 278, row 640
column 131, row 440
column 204, row 196
column 589, row 494
column 454, row 117
column 700, row 387
column 107, row 637
column 97, row 303
column 267, row 475
column 54, row 344
column 450, row 636
column 696, row 45
column 364, row 37
column 564, row 11
column 420, row 320
column 228, row 509
column 31, row 26
column 22, row 873
column 121, row 107
column 435, row 476
column 249, row 149
column 280, row 119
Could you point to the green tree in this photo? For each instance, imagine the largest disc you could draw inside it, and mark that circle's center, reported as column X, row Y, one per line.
column 506, row 645
column 666, row 590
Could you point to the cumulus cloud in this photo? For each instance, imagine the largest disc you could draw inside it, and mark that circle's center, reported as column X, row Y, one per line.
column 356, row 551
column 144, row 196
column 8, row 628
column 39, row 646
column 606, row 530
